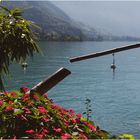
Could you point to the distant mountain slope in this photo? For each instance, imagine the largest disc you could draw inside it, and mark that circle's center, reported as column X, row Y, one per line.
column 58, row 26
column 54, row 23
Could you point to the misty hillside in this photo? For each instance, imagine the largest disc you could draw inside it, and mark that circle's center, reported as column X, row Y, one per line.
column 54, row 23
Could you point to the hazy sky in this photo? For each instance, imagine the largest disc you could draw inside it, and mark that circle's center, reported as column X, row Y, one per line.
column 116, row 17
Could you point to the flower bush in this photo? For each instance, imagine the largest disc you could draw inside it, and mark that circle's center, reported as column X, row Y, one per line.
column 36, row 117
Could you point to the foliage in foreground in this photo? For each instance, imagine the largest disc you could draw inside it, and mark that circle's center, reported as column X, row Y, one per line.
column 17, row 40
column 37, row 117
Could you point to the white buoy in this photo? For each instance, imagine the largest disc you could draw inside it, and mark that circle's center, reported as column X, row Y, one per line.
column 113, row 66
column 24, row 65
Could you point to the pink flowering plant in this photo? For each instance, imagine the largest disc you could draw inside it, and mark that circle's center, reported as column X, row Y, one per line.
column 36, row 117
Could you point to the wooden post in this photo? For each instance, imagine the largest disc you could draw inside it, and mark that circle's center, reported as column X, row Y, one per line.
column 50, row 82
column 114, row 50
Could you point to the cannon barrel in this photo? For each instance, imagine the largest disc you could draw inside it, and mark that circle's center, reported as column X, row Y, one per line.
column 102, row 53
column 51, row 81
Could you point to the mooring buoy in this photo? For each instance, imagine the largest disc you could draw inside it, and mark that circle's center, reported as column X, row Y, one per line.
column 113, row 66
column 24, row 65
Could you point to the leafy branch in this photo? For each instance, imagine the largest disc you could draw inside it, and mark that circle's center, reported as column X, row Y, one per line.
column 17, row 41
column 88, row 111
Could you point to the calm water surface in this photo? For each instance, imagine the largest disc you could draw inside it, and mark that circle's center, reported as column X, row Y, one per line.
column 115, row 98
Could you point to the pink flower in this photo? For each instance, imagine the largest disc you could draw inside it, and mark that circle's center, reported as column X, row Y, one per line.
column 79, row 115
column 46, row 95
column 58, row 130
column 54, row 106
column 65, row 136
column 82, row 136
column 10, row 102
column 73, row 120
column 35, row 97
column 5, row 93
column 12, row 93
column 27, row 111
column 66, row 123
column 93, row 128
column 38, row 136
column 71, row 111
column 25, row 97
column 41, row 109
column 9, row 108
column 31, row 131
column 64, row 109
column 45, row 119
column 14, row 138
column 1, row 101
column 24, row 89
column 45, row 131
column 90, row 126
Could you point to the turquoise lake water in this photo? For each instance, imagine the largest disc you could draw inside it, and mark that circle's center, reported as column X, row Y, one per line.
column 115, row 98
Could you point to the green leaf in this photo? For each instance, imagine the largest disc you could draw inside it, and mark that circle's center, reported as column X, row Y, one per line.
column 17, row 41
column 17, row 112
column 75, row 133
